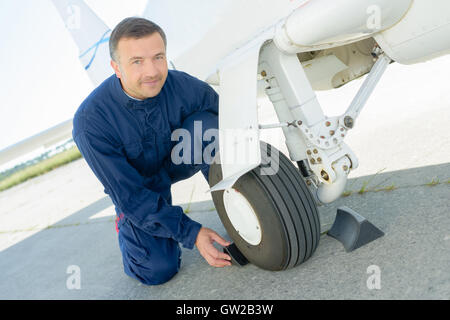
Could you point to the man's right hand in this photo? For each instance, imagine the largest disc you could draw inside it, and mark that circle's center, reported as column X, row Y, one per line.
column 204, row 243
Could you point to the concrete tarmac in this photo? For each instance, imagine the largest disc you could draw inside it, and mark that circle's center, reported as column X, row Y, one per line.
column 61, row 224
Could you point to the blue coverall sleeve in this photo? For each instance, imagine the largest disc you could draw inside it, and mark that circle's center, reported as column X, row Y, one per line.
column 145, row 208
column 205, row 98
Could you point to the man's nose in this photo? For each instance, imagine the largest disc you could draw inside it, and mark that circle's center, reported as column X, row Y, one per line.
column 151, row 70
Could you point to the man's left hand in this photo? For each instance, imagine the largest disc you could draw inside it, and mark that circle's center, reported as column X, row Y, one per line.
column 204, row 243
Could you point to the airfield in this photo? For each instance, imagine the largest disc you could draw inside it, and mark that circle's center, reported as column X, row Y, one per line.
column 63, row 219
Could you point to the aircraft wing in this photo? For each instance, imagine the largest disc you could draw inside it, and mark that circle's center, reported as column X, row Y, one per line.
column 46, row 138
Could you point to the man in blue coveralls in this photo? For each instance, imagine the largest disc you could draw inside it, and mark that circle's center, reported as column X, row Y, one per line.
column 123, row 129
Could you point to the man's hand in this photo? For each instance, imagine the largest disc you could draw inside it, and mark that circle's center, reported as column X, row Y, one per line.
column 204, row 243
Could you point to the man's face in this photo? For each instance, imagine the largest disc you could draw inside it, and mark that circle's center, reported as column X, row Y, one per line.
column 141, row 65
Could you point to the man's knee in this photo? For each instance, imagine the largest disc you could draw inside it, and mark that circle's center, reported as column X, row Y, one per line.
column 159, row 273
column 152, row 271
column 207, row 119
column 151, row 260
column 204, row 134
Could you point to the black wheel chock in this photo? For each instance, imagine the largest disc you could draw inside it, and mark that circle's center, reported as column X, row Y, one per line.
column 352, row 229
column 237, row 258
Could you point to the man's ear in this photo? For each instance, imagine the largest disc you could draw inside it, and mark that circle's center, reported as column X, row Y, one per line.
column 115, row 66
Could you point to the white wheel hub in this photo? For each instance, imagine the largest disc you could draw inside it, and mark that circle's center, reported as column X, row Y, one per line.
column 242, row 216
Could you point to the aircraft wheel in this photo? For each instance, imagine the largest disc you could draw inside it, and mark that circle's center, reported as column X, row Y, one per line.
column 272, row 218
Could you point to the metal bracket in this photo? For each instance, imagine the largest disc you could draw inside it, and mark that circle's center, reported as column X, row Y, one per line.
column 347, row 120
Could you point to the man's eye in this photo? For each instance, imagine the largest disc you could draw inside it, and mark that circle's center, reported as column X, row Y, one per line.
column 137, row 62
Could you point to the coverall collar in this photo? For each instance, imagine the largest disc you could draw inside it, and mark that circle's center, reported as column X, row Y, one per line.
column 125, row 100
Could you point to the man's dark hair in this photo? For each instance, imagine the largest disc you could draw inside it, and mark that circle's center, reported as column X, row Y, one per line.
column 133, row 27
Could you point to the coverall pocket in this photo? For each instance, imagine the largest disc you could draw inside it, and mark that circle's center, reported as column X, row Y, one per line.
column 136, row 156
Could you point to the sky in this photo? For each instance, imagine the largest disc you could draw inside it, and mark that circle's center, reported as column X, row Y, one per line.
column 42, row 81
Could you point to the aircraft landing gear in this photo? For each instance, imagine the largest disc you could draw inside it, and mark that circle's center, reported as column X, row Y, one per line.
column 272, row 218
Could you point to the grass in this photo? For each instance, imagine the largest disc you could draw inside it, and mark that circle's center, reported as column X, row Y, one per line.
column 188, row 209
column 364, row 187
column 42, row 167
column 347, row 193
column 363, row 190
column 433, row 182
column 389, row 188
column 367, row 182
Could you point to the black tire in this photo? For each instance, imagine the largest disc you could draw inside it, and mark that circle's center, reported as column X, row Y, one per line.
column 284, row 207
